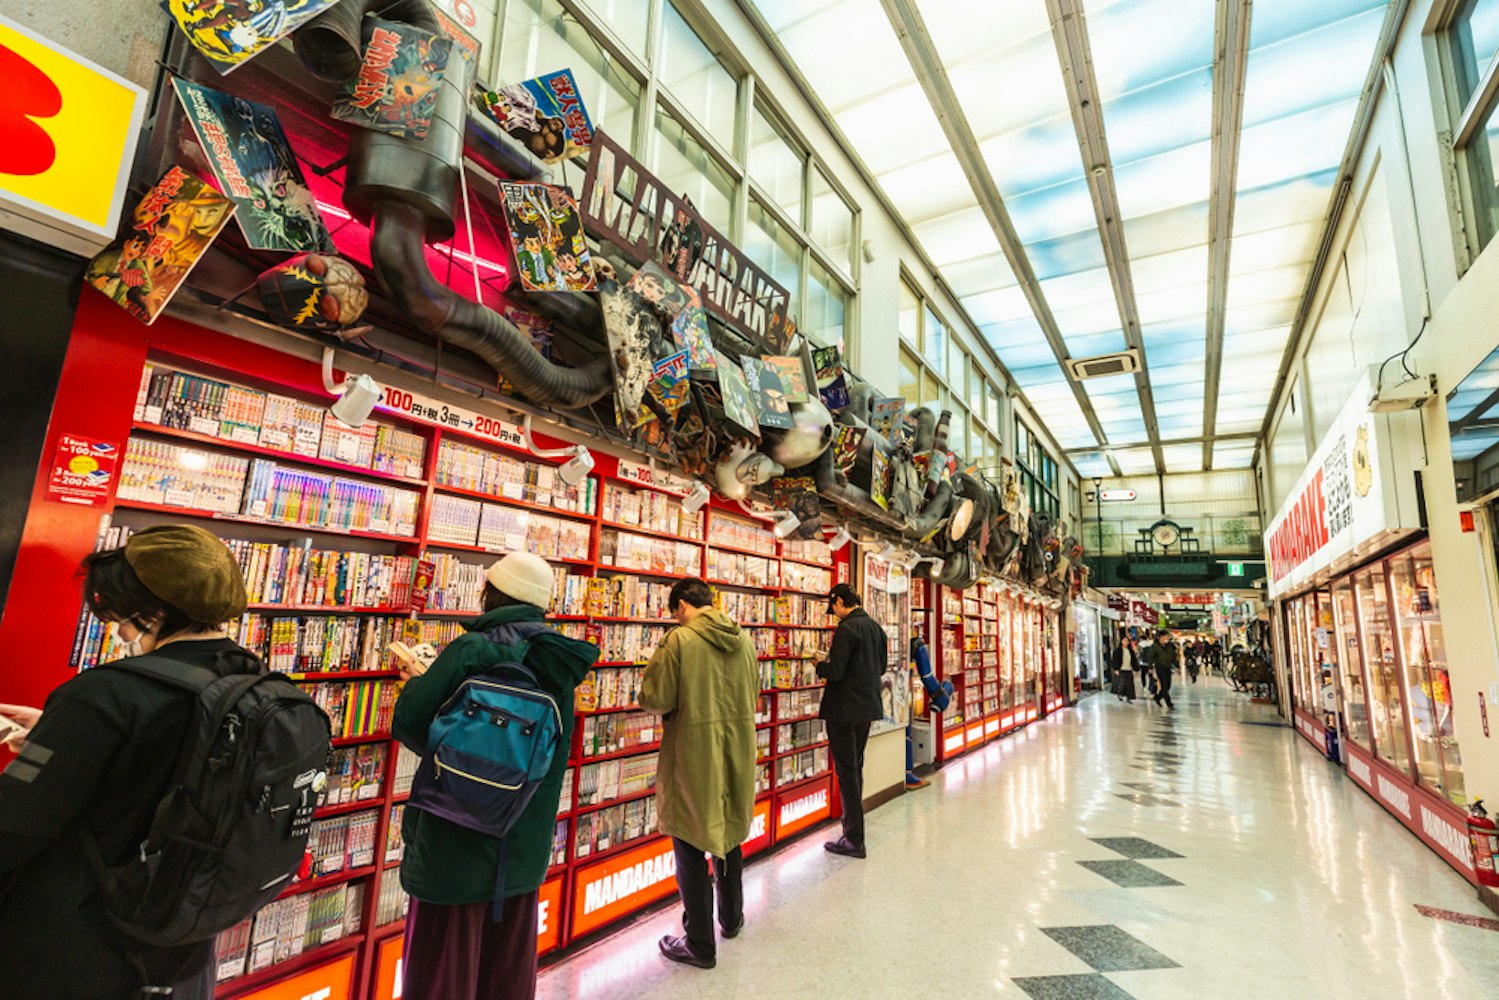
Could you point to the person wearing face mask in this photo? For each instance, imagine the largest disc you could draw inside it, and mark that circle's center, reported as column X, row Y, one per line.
column 99, row 755
column 704, row 679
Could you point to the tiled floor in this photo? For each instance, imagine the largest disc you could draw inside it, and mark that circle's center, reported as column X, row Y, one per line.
column 1277, row 876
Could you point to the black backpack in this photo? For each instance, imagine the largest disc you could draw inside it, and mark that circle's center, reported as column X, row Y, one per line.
column 232, row 829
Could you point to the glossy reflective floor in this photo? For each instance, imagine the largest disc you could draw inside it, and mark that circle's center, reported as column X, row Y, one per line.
column 1113, row 851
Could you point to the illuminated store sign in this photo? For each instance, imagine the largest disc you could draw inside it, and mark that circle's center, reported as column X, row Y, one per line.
column 622, row 884
column 803, row 808
column 327, row 982
column 759, row 834
column 1357, row 493
column 68, row 131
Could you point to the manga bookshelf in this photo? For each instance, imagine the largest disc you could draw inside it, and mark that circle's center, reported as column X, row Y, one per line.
column 331, row 527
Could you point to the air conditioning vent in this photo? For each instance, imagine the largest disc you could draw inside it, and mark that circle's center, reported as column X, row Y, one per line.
column 1124, row 363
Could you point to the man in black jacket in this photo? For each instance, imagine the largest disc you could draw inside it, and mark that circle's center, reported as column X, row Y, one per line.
column 850, row 702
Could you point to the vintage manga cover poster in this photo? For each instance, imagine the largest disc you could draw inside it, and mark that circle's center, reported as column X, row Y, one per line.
column 793, row 375
column 249, row 154
column 231, row 32
column 770, row 399
column 660, row 289
column 465, row 46
column 537, row 328
column 831, row 385
column 551, row 253
column 738, row 401
column 879, row 479
column 885, row 414
column 395, row 91
column 546, row 115
column 669, row 389
column 173, row 226
column 630, row 326
column 846, row 442
column 690, row 332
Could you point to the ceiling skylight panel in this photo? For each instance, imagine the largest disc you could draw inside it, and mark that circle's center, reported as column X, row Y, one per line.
column 979, row 274
column 1136, row 43
column 1188, row 352
column 1261, row 316
column 1271, row 285
column 1052, row 212
column 1169, row 270
column 868, row 126
column 1080, row 251
column 999, row 306
column 1296, row 200
column 1135, row 461
column 1018, row 354
column 1173, row 179
column 1472, row 442
column 1079, row 325
column 1278, row 84
column 1272, row 247
column 963, row 29
column 960, row 236
column 1082, row 288
column 1277, row 20
column 1034, row 157
column 1082, row 437
column 1182, row 457
column 836, row 46
column 1179, row 426
column 1296, row 146
column 1181, row 393
column 1164, row 231
column 1162, row 117
column 1019, row 331
column 1233, row 454
column 1033, row 379
column 929, row 188
column 1463, row 401
column 1091, row 465
column 1172, row 303
column 1185, row 330
column 1090, row 345
column 1009, row 87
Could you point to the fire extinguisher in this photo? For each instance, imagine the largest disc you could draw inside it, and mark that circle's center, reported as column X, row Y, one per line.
column 1484, row 834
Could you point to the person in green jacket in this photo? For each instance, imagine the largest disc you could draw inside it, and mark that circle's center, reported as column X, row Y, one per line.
column 704, row 680
column 455, row 950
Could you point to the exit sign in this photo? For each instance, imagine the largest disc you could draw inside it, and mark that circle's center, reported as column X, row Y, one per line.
column 1235, row 569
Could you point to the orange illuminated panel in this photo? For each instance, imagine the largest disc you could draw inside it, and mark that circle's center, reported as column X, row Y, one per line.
column 608, row 890
column 549, row 916
column 68, row 131
column 804, row 807
column 974, row 734
column 759, row 835
column 953, row 743
column 1007, row 722
column 991, row 726
column 327, row 982
column 1030, row 714
column 388, row 968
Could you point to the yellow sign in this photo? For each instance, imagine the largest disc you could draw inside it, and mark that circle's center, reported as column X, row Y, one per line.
column 68, row 131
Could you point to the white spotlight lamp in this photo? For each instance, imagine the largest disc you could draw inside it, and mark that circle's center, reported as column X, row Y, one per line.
column 936, row 568
column 693, row 502
column 357, row 396
column 785, row 523
column 576, row 467
column 839, row 540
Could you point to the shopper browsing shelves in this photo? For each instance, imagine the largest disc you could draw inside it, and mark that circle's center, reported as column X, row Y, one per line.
column 704, row 679
column 98, row 761
column 849, row 704
column 455, row 948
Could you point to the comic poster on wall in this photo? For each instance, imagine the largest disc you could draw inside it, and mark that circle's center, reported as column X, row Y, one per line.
column 885, row 414
column 537, row 328
column 660, row 289
column 738, row 401
column 173, row 226
column 395, row 90
column 770, row 399
column 669, row 388
column 831, row 385
column 793, row 374
column 690, row 332
column 682, row 243
column 465, row 47
column 546, row 115
column 249, row 154
column 551, row 253
column 846, row 443
column 229, row 33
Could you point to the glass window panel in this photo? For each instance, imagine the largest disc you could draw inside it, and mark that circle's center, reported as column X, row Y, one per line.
column 975, row 385
column 957, row 361
column 540, row 37
column 771, row 246
column 1028, row 159
column 827, row 309
column 1000, row 305
column 957, row 432
column 777, row 165
column 629, row 20
column 1475, row 39
column 1479, row 157
column 832, row 222
column 1355, row 700
column 695, row 77
column 1428, row 686
column 957, row 237
column 910, row 376
column 686, row 167
column 1377, row 643
column 1162, row 231
column 910, row 316
column 1163, row 116
column 934, row 346
column 991, row 407
column 1052, row 212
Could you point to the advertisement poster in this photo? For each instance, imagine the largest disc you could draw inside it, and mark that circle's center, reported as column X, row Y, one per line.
column 546, row 115
column 551, row 253
column 831, row 385
column 249, row 154
column 174, row 224
column 83, row 470
column 230, row 33
column 395, row 91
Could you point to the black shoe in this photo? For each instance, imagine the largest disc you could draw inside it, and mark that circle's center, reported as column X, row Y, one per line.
column 844, row 847
column 726, row 932
column 676, row 949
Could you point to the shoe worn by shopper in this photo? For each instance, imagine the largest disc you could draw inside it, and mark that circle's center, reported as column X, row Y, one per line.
column 732, row 932
column 676, row 949
column 914, row 782
column 844, row 847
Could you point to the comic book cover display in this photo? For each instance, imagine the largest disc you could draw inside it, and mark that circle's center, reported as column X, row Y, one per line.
column 879, row 479
column 793, row 374
column 313, row 292
column 551, row 252
column 682, row 243
column 546, row 115
column 465, row 46
column 781, row 329
column 661, row 290
column 172, row 229
column 690, row 332
column 738, row 401
column 831, row 385
column 250, row 156
column 846, row 443
column 536, row 327
column 395, row 90
column 669, row 389
column 632, row 327
column 798, row 494
column 885, row 414
column 771, row 407
column 229, row 33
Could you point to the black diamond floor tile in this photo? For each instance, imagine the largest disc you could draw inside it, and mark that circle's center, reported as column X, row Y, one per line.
column 1134, row 847
column 1082, row 987
column 1108, row 948
column 1129, row 874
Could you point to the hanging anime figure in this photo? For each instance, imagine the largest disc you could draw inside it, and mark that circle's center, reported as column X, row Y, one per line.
column 551, row 254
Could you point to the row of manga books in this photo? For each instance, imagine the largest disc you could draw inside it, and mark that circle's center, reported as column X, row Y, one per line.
column 355, row 774
column 500, row 528
column 609, row 687
column 395, row 842
column 342, row 843
column 298, row 575
column 615, row 779
column 791, row 705
column 741, row 570
column 319, row 643
column 623, row 550
column 795, row 735
column 740, row 534
column 800, row 766
column 810, row 579
column 613, row 826
column 617, row 731
column 478, row 470
column 650, row 510
column 303, row 499
column 174, row 475
column 358, row 709
column 285, row 928
column 625, row 642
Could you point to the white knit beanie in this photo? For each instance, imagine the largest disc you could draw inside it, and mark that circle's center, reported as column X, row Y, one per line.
column 525, row 577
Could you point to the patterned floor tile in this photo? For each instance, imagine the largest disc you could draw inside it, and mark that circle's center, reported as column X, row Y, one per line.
column 1086, row 987
column 1129, row 874
column 1135, row 847
column 1108, row 948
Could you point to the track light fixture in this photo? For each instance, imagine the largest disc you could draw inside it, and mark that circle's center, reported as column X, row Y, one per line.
column 785, row 523
column 839, row 539
column 579, row 459
column 357, row 395
column 693, row 501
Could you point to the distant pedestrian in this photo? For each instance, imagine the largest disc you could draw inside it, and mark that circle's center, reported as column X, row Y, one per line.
column 704, row 679
column 1162, row 660
column 1126, row 663
column 850, row 702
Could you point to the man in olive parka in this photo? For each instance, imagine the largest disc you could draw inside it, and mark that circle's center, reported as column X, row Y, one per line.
column 704, row 680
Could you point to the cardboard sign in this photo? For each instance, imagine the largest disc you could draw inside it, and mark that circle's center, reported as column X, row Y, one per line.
column 83, row 470
column 604, row 892
column 635, row 210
